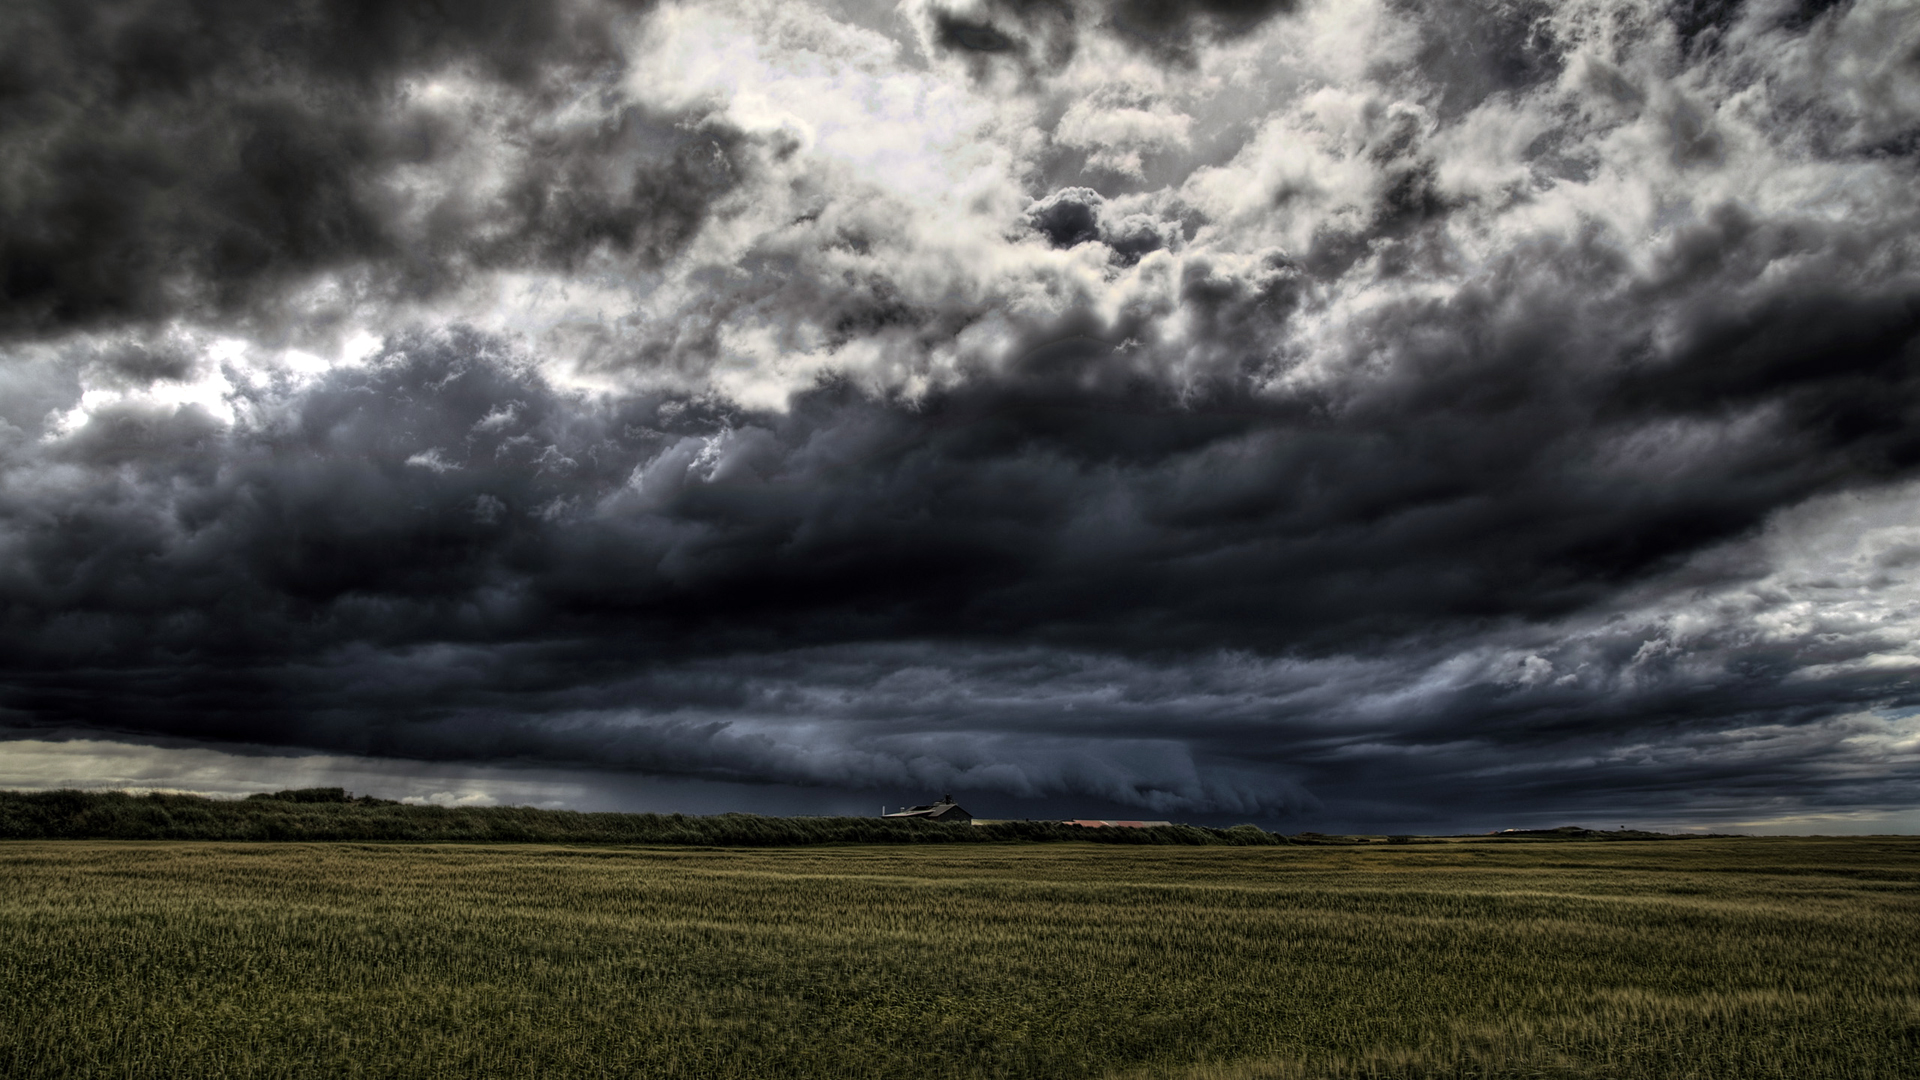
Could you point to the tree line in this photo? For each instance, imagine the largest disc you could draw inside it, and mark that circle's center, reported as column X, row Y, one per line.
column 334, row 814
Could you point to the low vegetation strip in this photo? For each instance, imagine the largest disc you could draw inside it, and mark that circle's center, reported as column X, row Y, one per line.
column 319, row 814
column 330, row 814
column 1714, row 960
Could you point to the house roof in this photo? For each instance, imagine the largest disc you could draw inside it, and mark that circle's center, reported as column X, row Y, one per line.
column 946, row 807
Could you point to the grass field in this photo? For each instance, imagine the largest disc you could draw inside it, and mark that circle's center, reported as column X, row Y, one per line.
column 1793, row 958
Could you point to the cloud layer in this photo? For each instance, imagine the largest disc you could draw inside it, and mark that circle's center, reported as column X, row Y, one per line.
column 1361, row 411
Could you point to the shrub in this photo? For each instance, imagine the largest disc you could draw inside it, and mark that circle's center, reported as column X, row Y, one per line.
column 306, row 795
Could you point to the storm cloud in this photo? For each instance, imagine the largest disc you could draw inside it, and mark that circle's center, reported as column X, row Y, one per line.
column 1412, row 414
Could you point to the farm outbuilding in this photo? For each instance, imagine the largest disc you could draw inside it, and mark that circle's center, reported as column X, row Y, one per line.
column 944, row 810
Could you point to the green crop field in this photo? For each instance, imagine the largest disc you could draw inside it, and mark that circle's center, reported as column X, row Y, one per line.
column 1748, row 958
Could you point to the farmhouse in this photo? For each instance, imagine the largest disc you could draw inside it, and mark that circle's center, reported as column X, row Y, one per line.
column 944, row 810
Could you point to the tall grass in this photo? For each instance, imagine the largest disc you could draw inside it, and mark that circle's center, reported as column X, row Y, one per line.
column 1714, row 959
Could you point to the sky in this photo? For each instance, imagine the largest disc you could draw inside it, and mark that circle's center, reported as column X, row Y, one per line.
column 1384, row 415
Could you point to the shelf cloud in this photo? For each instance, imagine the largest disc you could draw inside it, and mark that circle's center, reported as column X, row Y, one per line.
column 1413, row 414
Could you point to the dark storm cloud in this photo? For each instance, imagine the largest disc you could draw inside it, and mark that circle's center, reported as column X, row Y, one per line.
column 200, row 157
column 1468, row 49
column 1077, row 215
column 439, row 555
column 1172, row 28
column 1408, row 454
column 1044, row 34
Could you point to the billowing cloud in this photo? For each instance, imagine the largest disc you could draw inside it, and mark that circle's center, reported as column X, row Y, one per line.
column 1387, row 412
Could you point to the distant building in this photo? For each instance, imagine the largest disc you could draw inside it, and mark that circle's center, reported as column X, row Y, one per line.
column 944, row 810
column 1097, row 823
